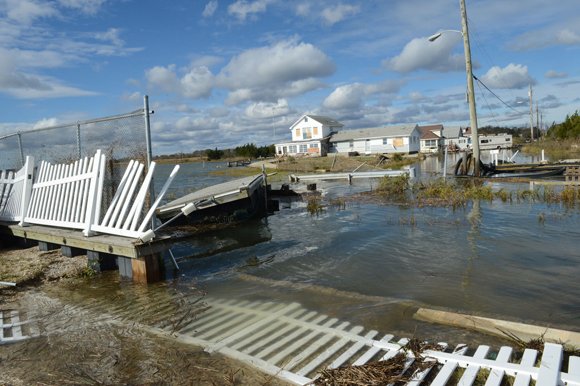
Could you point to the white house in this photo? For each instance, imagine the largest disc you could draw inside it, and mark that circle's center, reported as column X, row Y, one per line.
column 391, row 139
column 432, row 138
column 310, row 135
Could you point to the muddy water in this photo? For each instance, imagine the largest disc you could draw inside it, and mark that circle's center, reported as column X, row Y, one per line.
column 515, row 261
column 369, row 264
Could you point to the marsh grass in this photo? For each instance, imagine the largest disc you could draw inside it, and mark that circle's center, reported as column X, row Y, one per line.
column 314, row 206
column 457, row 193
column 555, row 149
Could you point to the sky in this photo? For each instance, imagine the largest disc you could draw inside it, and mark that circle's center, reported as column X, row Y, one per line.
column 225, row 73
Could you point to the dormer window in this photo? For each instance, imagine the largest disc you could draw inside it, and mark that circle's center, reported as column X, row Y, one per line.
column 305, row 119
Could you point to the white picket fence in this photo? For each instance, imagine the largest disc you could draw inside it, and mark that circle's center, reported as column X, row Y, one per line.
column 15, row 191
column 121, row 220
column 70, row 196
column 295, row 344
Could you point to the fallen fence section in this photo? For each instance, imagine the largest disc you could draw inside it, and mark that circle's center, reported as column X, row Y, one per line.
column 15, row 191
column 295, row 344
column 353, row 175
column 68, row 196
column 14, row 327
column 119, row 219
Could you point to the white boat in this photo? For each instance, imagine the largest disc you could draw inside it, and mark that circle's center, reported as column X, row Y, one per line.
column 230, row 201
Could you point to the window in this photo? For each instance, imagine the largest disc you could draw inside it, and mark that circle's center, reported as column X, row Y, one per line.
column 315, row 130
column 385, row 141
column 306, row 133
column 314, row 145
column 298, row 132
column 292, row 149
column 484, row 141
column 508, row 139
column 430, row 143
column 303, row 148
column 351, row 144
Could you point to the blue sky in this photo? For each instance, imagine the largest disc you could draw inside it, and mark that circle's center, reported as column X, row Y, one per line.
column 224, row 73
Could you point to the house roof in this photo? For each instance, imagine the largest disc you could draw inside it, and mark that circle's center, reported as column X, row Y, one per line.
column 436, row 127
column 427, row 132
column 326, row 121
column 378, row 132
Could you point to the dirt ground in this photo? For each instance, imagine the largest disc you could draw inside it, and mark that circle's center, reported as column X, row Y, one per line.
column 77, row 348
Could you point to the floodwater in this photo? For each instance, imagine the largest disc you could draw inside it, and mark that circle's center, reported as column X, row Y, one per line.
column 366, row 263
column 517, row 261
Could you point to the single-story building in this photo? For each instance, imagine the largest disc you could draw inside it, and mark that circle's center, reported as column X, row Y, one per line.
column 432, row 139
column 392, row 139
column 310, row 136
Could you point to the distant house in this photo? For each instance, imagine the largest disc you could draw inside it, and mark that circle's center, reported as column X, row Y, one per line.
column 310, row 136
column 391, row 139
column 455, row 139
column 432, row 139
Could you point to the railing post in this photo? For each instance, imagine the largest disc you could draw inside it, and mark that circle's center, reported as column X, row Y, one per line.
column 149, row 152
column 79, row 139
column 21, row 150
column 26, row 189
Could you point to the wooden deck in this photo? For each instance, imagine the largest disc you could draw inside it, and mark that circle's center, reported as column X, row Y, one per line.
column 110, row 244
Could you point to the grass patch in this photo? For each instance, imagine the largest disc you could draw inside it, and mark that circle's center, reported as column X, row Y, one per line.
column 555, row 149
column 458, row 192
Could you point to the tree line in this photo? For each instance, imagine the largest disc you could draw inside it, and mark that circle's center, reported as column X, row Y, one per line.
column 569, row 129
column 247, row 151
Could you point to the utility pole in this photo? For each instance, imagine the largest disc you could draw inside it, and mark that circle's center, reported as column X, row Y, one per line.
column 470, row 94
column 538, row 120
column 530, row 93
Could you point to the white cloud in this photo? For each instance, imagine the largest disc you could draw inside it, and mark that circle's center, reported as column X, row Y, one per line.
column 111, row 35
column 555, row 74
column 352, row 96
column 15, row 81
column 242, row 8
column 210, row 8
column 337, row 13
column 546, row 37
column 421, row 54
column 196, row 83
column 163, row 78
column 133, row 97
column 345, row 97
column 45, row 122
column 26, row 11
column 303, row 9
column 513, row 76
column 267, row 110
column 89, row 7
column 276, row 70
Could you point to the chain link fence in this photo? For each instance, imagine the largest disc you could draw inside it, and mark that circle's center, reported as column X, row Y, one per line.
column 121, row 138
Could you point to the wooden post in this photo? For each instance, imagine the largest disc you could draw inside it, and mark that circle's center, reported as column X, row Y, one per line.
column 146, row 269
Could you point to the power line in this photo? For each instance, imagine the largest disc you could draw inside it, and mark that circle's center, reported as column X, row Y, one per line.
column 495, row 95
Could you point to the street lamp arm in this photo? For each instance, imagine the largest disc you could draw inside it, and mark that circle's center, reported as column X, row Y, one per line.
column 437, row 35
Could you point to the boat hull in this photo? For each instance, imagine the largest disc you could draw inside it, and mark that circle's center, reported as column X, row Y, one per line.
column 232, row 201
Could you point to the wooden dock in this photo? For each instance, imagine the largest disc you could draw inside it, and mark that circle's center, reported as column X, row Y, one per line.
column 60, row 206
column 134, row 259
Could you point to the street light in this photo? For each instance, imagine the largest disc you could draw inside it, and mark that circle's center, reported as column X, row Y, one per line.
column 470, row 95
